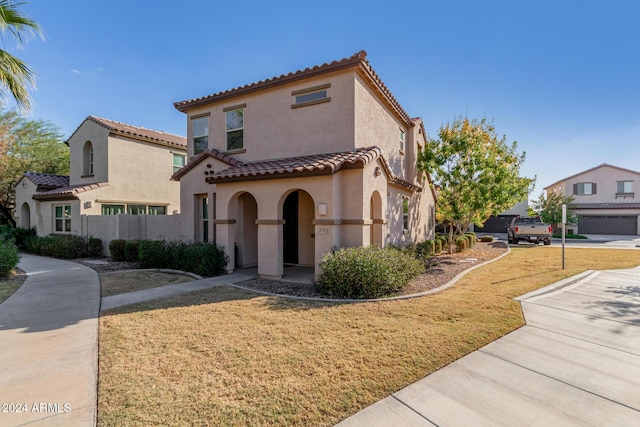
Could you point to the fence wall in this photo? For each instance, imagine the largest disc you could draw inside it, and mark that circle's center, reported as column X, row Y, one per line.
column 132, row 227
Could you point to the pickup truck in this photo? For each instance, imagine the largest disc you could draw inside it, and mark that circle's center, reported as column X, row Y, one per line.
column 531, row 229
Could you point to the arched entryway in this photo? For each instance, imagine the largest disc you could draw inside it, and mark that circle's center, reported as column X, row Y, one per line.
column 375, row 212
column 25, row 216
column 244, row 209
column 298, row 244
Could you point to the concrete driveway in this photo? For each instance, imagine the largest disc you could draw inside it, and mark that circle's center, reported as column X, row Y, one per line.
column 575, row 363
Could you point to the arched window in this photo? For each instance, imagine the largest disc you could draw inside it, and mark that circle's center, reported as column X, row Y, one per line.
column 87, row 163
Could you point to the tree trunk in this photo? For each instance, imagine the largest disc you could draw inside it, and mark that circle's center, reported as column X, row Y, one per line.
column 5, row 216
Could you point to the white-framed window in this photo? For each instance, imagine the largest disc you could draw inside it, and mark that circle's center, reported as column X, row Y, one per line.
column 401, row 141
column 62, row 218
column 624, row 187
column 87, row 163
column 235, row 129
column 584, row 188
column 200, row 134
column 311, row 95
column 178, row 162
column 405, row 214
column 157, row 210
column 202, row 232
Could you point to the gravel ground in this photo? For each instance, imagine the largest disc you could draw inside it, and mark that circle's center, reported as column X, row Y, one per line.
column 440, row 270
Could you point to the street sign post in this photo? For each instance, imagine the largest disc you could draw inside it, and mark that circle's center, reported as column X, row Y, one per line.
column 564, row 223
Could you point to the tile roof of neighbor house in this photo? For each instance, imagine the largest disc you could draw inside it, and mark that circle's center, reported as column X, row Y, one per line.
column 589, row 170
column 206, row 154
column 68, row 192
column 357, row 61
column 605, row 205
column 47, row 179
column 137, row 132
column 309, row 165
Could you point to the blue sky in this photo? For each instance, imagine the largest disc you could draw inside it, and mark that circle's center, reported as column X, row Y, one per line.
column 562, row 78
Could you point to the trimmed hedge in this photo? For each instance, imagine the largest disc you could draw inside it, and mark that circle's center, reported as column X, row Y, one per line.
column 19, row 235
column 486, row 239
column 94, row 247
column 205, row 259
column 59, row 246
column 131, row 250
column 117, row 250
column 462, row 243
column 366, row 272
column 437, row 246
column 8, row 256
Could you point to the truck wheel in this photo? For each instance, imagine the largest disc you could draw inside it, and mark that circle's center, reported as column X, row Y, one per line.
column 547, row 242
column 509, row 240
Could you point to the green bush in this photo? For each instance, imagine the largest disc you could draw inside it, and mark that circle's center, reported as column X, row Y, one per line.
column 18, row 234
column 486, row 239
column 471, row 237
column 425, row 249
column 205, row 259
column 437, row 246
column 95, row 247
column 58, row 246
column 8, row 256
column 366, row 272
column 131, row 250
column 462, row 243
column 117, row 250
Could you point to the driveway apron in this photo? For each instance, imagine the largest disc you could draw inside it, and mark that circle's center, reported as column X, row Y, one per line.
column 48, row 346
column 576, row 362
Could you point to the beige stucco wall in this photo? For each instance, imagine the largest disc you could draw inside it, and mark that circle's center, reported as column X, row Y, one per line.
column 98, row 136
column 605, row 177
column 272, row 129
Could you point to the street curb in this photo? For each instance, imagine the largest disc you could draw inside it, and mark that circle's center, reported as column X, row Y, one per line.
column 557, row 285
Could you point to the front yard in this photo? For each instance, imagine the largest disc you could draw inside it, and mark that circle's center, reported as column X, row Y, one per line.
column 229, row 357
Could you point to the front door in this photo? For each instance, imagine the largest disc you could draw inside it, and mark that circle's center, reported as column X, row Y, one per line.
column 290, row 229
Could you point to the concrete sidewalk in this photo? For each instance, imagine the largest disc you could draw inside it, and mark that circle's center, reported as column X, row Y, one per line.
column 49, row 346
column 576, row 362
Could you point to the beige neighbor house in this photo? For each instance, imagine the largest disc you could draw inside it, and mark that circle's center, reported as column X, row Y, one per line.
column 115, row 169
column 604, row 200
column 283, row 170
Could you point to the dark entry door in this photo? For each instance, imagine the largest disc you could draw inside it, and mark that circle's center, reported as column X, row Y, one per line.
column 290, row 229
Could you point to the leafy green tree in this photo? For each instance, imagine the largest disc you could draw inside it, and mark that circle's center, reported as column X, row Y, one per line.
column 549, row 208
column 478, row 173
column 27, row 145
column 15, row 75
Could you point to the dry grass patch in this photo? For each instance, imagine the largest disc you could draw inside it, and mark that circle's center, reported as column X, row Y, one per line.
column 229, row 357
column 115, row 283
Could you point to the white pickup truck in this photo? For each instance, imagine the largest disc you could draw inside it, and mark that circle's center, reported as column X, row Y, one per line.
column 528, row 228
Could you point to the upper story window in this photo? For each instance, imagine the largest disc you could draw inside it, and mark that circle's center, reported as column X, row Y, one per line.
column 584, row 188
column 235, row 129
column 200, row 134
column 401, row 141
column 178, row 162
column 311, row 96
column 87, row 159
column 624, row 189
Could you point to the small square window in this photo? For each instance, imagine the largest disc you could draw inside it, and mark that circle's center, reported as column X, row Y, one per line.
column 178, row 162
column 311, row 96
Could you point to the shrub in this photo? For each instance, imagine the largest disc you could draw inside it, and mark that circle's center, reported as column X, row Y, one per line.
column 425, row 249
column 58, row 246
column 117, row 249
column 461, row 243
column 486, row 239
column 19, row 235
column 131, row 250
column 8, row 256
column 366, row 272
column 95, row 247
column 437, row 246
column 471, row 237
column 205, row 259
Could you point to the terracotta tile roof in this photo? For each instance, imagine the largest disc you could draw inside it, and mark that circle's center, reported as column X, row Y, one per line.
column 606, row 205
column 589, row 170
column 68, row 192
column 47, row 180
column 310, row 165
column 206, row 154
column 136, row 132
column 357, row 61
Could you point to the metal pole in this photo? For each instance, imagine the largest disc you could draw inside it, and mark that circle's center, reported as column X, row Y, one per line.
column 564, row 222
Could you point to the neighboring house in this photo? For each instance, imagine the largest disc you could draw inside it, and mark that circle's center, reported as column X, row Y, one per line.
column 500, row 222
column 115, row 169
column 283, row 170
column 604, row 199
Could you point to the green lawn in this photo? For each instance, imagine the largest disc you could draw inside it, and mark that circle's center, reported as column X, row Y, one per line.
column 229, row 357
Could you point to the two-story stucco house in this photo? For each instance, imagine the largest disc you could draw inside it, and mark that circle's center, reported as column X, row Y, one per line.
column 115, row 169
column 604, row 199
column 283, row 170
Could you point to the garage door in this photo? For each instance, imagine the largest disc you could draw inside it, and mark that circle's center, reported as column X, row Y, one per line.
column 496, row 224
column 608, row 225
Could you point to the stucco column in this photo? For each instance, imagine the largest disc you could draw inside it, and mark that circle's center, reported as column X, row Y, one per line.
column 270, row 235
column 328, row 235
column 225, row 236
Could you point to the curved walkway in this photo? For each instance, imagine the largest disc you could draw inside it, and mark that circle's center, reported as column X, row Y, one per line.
column 49, row 345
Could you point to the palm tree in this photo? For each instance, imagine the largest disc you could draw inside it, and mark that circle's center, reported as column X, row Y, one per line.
column 15, row 75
